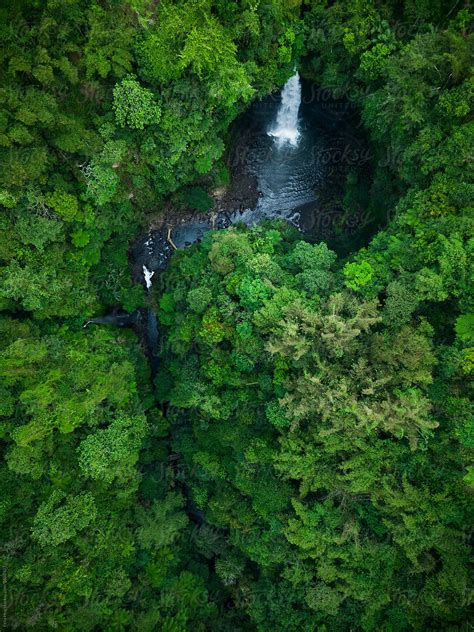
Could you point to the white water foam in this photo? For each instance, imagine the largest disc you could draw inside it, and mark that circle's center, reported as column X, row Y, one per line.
column 286, row 127
column 147, row 275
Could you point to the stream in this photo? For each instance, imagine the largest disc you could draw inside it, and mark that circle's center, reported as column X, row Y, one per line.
column 289, row 157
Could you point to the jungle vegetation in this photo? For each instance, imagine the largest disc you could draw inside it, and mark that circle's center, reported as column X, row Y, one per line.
column 302, row 459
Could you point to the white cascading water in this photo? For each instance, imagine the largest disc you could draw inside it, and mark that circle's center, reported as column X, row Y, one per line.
column 286, row 127
column 147, row 274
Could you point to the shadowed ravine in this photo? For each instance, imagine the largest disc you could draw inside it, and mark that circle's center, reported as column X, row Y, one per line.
column 287, row 144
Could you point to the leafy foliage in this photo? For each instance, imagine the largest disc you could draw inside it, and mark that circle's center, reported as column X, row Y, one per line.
column 304, row 460
column 313, row 435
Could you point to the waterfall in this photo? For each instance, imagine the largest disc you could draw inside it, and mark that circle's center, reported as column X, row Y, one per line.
column 147, row 274
column 286, row 127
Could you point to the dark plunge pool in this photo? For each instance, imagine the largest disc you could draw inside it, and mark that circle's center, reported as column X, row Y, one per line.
column 296, row 175
column 290, row 155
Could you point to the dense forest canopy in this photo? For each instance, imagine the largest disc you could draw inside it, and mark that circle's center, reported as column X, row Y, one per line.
column 301, row 460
